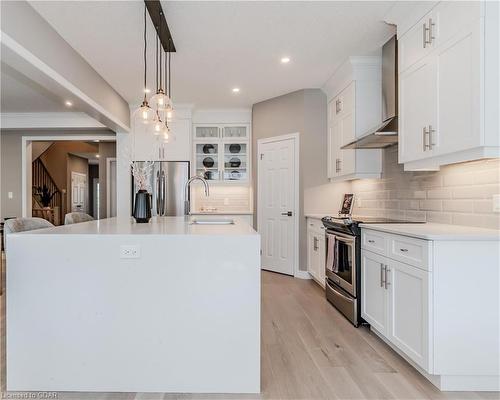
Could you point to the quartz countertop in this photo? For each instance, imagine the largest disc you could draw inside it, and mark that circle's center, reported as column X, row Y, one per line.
column 181, row 225
column 432, row 231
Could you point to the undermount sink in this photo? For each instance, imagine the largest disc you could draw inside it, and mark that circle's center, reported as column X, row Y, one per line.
column 207, row 221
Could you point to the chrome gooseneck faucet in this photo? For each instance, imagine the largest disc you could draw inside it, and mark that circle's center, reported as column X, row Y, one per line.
column 187, row 205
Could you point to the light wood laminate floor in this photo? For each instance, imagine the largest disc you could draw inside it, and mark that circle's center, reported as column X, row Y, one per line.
column 309, row 351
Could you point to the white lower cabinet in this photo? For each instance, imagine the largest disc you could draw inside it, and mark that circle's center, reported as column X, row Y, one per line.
column 373, row 292
column 395, row 302
column 316, row 251
column 408, row 310
column 435, row 302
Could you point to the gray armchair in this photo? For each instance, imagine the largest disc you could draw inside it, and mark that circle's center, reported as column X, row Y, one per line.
column 15, row 225
column 77, row 217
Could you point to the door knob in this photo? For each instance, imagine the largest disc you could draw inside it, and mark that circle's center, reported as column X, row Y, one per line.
column 288, row 213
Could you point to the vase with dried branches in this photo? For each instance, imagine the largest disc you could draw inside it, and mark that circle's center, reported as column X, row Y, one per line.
column 142, row 204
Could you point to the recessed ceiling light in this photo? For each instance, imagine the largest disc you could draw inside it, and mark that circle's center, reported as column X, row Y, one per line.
column 285, row 60
column 146, row 90
column 236, row 90
column 97, row 156
column 68, row 103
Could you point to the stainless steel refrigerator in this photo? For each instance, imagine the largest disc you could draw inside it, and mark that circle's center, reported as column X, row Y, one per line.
column 167, row 183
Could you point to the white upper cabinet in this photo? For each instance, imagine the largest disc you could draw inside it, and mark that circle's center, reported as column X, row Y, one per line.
column 448, row 86
column 417, row 93
column 221, row 152
column 354, row 107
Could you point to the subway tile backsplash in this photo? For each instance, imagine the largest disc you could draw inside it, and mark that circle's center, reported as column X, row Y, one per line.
column 458, row 194
column 222, row 199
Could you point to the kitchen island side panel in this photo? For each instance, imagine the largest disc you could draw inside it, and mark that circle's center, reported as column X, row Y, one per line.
column 184, row 317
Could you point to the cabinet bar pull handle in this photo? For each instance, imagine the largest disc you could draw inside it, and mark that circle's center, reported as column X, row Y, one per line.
column 430, row 134
column 371, row 241
column 382, row 283
column 404, row 250
column 315, row 243
column 426, row 138
column 431, row 34
column 424, row 39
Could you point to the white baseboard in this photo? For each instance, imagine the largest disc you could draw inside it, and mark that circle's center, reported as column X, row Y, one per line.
column 452, row 383
column 302, row 275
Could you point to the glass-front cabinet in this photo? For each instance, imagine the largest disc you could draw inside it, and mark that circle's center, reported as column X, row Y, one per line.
column 222, row 152
column 207, row 160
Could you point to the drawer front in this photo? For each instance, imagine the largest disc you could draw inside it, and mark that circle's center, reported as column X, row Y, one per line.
column 374, row 241
column 411, row 251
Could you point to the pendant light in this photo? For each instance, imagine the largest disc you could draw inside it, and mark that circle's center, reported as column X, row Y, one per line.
column 145, row 114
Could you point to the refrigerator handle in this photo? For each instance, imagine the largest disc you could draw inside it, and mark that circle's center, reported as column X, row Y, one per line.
column 160, row 193
column 164, row 210
column 158, row 187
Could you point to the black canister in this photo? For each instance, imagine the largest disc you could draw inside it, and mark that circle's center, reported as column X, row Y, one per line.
column 142, row 206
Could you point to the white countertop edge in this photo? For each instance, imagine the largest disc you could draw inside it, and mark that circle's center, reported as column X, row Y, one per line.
column 432, row 231
column 158, row 226
column 222, row 213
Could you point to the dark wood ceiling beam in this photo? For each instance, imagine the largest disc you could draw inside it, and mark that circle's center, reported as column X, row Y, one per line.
column 160, row 23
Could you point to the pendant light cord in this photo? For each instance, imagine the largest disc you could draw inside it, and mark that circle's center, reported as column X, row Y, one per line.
column 145, row 45
column 160, row 63
column 167, row 74
column 169, row 70
column 156, row 55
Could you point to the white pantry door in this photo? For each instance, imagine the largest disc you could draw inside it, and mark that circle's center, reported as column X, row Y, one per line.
column 277, row 206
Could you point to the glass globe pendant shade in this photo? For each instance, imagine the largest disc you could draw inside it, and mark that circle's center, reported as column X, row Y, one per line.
column 160, row 100
column 169, row 112
column 168, row 135
column 157, row 126
column 144, row 114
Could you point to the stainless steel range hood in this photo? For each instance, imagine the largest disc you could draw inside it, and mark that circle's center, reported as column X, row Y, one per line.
column 385, row 134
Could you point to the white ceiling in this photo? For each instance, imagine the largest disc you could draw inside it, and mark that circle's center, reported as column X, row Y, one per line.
column 221, row 45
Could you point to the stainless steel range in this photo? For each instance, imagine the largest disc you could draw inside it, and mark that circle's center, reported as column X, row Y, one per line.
column 343, row 262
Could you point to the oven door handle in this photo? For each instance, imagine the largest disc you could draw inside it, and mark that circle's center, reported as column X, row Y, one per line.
column 340, row 236
column 337, row 291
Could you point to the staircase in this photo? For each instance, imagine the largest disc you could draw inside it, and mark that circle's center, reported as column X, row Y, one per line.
column 40, row 178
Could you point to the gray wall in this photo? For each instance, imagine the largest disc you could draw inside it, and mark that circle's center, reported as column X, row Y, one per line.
column 11, row 163
column 304, row 111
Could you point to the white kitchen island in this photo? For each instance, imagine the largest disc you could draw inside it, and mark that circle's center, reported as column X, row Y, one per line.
column 183, row 316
